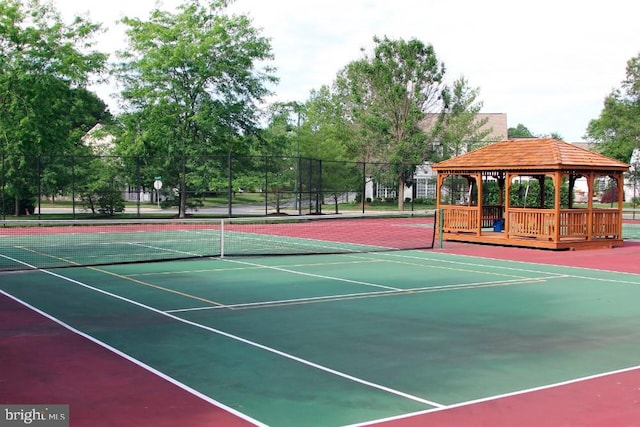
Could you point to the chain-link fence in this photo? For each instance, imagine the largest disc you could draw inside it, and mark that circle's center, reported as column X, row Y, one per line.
column 227, row 185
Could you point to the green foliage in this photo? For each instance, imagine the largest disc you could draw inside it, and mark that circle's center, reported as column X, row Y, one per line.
column 192, row 82
column 323, row 132
column 109, row 201
column 44, row 67
column 520, row 131
column 458, row 130
column 526, row 193
column 386, row 95
column 282, row 137
column 617, row 130
column 99, row 185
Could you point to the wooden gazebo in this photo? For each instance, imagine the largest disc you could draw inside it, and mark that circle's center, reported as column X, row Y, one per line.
column 485, row 196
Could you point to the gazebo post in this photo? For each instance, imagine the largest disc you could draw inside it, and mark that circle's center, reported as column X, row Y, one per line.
column 541, row 195
column 572, row 183
column 478, row 177
column 557, row 183
column 591, row 181
column 507, row 204
column 439, row 184
column 620, row 182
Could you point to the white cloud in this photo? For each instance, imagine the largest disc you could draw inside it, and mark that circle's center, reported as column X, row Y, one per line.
column 548, row 64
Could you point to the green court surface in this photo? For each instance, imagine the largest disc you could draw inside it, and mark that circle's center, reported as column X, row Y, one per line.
column 329, row 340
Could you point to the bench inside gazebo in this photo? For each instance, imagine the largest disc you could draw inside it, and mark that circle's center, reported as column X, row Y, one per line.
column 520, row 192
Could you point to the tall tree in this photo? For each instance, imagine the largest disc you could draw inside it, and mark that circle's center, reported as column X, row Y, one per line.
column 617, row 131
column 520, row 131
column 192, row 80
column 43, row 65
column 324, row 132
column 389, row 93
column 459, row 129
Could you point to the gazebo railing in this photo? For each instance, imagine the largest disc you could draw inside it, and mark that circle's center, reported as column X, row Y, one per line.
column 606, row 224
column 535, row 223
column 573, row 223
column 539, row 223
column 490, row 214
column 459, row 218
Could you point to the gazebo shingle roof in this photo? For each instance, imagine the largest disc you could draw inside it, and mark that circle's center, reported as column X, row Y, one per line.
column 530, row 154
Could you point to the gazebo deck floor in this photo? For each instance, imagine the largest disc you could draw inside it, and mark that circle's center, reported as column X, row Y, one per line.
column 500, row 239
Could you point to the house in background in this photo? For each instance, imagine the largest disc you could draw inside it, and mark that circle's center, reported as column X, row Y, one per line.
column 425, row 178
column 424, row 183
column 496, row 125
column 102, row 144
column 99, row 141
column 603, row 192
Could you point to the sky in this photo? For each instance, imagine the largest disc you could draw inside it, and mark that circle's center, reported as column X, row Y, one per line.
column 547, row 64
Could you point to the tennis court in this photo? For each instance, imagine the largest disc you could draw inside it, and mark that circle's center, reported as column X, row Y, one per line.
column 369, row 332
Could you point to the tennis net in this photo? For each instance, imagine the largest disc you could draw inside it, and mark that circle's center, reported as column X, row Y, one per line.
column 40, row 244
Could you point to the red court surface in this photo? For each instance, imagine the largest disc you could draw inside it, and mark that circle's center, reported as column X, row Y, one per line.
column 100, row 387
column 624, row 259
column 105, row 389
column 612, row 400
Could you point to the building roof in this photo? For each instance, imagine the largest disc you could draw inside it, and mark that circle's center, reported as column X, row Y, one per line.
column 533, row 154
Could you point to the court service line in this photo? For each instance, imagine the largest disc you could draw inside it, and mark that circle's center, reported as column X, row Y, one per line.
column 519, row 270
column 24, row 248
column 344, row 297
column 498, row 396
column 319, row 276
column 238, row 338
column 257, row 267
column 139, row 282
column 574, row 276
column 175, row 251
column 440, row 267
column 161, row 288
column 135, row 361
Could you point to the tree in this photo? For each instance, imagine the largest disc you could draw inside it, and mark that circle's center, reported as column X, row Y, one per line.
column 324, row 132
column 617, row 131
column 282, row 135
column 520, row 131
column 388, row 94
column 192, row 81
column 44, row 66
column 459, row 130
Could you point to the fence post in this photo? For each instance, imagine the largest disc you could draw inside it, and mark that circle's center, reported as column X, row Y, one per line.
column 138, row 184
column 319, row 192
column 364, row 184
column 2, row 203
column 230, row 186
column 39, row 185
column 299, row 185
column 266, row 185
column 73, row 187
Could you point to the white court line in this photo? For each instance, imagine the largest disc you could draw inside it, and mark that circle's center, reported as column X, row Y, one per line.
column 497, row 397
column 134, row 360
column 163, row 249
column 319, row 276
column 498, row 267
column 338, row 297
column 240, row 339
